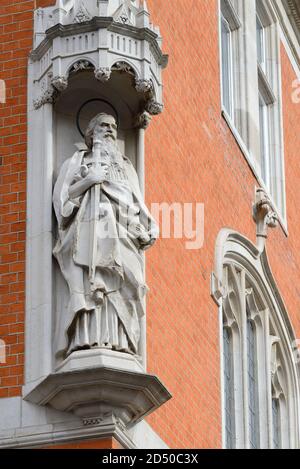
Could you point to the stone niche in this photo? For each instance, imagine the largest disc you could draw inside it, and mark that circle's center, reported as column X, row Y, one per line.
column 89, row 56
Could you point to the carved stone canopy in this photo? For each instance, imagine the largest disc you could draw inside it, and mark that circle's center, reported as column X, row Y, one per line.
column 105, row 37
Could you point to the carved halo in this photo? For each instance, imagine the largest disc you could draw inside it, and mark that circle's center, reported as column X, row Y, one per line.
column 104, row 107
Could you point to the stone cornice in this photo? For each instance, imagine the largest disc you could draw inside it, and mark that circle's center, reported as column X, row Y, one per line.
column 96, row 23
column 288, row 14
column 293, row 11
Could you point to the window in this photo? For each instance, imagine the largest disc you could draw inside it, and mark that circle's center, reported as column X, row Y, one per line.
column 260, row 369
column 258, row 380
column 251, row 89
column 271, row 167
column 227, row 68
column 267, row 104
column 276, row 430
column 264, row 141
column 230, row 25
column 228, row 388
column 260, row 383
column 252, row 385
column 260, row 41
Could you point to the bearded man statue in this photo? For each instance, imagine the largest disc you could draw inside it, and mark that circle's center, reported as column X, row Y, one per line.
column 103, row 227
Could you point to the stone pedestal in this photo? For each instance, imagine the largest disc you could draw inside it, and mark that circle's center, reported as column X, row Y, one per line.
column 100, row 385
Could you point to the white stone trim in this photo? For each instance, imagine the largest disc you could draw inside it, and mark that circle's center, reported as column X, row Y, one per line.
column 25, row 425
column 290, row 39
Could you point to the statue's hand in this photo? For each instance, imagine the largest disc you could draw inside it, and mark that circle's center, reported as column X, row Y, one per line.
column 97, row 174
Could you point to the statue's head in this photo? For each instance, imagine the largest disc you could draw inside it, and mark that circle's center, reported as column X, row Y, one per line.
column 104, row 125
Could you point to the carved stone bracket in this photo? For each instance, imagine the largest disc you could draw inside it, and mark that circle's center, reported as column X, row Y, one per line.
column 50, row 93
column 48, row 96
column 103, row 74
column 264, row 217
column 60, row 83
column 122, row 390
column 143, row 120
column 143, row 86
column 153, row 107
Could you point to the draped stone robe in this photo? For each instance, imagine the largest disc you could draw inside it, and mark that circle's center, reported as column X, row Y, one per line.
column 114, row 322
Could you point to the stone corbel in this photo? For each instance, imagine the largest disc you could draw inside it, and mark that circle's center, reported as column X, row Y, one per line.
column 60, row 83
column 103, row 74
column 50, row 94
column 143, row 86
column 153, row 107
column 114, row 386
column 264, row 217
column 143, row 120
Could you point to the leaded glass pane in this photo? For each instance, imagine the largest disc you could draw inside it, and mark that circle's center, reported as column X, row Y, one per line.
column 226, row 67
column 276, row 423
column 228, row 388
column 252, row 386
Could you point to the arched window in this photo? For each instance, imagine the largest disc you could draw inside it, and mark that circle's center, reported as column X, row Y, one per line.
column 259, row 373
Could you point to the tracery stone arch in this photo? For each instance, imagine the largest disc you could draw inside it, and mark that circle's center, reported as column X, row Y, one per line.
column 276, row 374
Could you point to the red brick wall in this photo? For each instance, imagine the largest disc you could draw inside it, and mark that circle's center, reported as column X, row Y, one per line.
column 15, row 43
column 191, row 156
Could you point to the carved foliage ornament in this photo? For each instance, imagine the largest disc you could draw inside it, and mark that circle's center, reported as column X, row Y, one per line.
column 82, row 14
column 103, row 74
column 143, row 86
column 153, row 107
column 60, row 83
column 81, row 65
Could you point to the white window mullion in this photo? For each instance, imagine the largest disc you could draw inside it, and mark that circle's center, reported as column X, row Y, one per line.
column 245, row 362
column 227, row 68
column 228, row 379
column 276, row 424
column 264, row 121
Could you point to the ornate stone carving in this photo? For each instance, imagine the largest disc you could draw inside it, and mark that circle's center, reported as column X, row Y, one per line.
column 123, row 13
column 143, row 86
column 92, row 421
column 143, row 120
column 82, row 14
column 264, row 217
column 123, row 67
column 81, row 65
column 48, row 96
column 60, row 83
column 153, row 107
column 103, row 74
column 101, row 217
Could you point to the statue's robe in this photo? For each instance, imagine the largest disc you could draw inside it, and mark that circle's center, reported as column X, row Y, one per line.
column 119, row 262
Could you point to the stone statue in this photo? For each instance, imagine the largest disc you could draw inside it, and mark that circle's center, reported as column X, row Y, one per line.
column 103, row 227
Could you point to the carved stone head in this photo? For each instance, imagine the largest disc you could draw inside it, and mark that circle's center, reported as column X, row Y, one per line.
column 104, row 126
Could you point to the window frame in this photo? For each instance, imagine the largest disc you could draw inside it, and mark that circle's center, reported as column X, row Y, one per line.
column 244, row 121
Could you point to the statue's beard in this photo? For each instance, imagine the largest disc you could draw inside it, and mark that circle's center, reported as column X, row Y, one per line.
column 111, row 147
